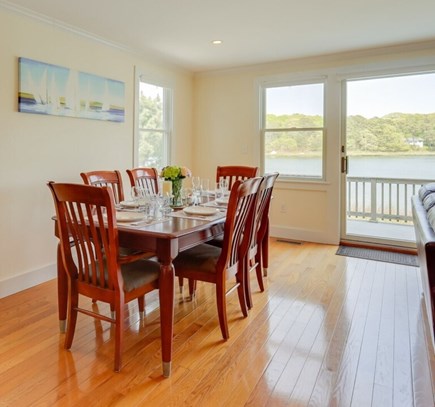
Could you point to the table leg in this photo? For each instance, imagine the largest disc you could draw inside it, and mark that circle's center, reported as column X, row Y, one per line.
column 166, row 295
column 62, row 291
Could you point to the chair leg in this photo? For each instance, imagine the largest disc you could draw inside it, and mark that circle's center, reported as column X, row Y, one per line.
column 192, row 288
column 258, row 260
column 265, row 251
column 247, row 283
column 141, row 304
column 180, row 284
column 222, row 310
column 72, row 318
column 119, row 333
column 242, row 288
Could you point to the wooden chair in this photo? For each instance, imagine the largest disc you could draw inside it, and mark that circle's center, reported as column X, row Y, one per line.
column 104, row 178
column 217, row 265
column 235, row 172
column 254, row 260
column 145, row 178
column 86, row 215
column 231, row 173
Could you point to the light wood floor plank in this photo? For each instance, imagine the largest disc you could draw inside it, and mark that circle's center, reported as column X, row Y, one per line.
column 328, row 330
column 383, row 380
column 364, row 380
column 402, row 385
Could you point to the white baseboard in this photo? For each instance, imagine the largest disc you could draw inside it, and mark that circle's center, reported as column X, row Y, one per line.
column 15, row 284
column 304, row 235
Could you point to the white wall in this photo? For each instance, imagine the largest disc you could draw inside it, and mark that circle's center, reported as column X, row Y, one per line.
column 38, row 148
column 226, row 123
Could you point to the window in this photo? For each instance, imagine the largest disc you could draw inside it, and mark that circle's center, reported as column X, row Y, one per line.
column 293, row 129
column 154, row 125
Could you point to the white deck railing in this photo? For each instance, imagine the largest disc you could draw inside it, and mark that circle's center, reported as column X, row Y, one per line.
column 381, row 199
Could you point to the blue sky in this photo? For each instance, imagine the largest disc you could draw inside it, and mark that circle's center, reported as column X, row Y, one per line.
column 378, row 97
column 368, row 98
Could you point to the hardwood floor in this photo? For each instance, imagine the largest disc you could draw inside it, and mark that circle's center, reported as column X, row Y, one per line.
column 328, row 331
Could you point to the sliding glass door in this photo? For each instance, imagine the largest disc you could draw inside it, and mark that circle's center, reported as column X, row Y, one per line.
column 388, row 152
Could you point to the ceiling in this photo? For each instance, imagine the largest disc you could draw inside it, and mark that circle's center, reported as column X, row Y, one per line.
column 252, row 31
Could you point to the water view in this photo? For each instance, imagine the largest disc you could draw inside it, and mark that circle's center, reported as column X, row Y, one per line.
column 408, row 167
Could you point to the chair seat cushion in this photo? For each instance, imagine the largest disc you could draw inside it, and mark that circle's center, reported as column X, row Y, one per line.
column 202, row 258
column 139, row 273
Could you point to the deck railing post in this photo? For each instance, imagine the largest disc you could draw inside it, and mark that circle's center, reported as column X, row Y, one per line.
column 373, row 201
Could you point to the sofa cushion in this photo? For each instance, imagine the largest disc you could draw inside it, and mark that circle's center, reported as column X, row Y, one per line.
column 426, row 190
column 431, row 217
column 429, row 201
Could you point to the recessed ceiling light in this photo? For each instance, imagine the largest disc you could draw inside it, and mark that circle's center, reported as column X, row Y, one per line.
column 216, row 42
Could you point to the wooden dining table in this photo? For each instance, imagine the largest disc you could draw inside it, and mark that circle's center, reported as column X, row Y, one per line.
column 166, row 239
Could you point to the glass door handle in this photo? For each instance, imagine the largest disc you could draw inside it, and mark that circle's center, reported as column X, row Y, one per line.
column 344, row 164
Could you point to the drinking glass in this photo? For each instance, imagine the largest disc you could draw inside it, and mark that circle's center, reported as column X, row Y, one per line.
column 136, row 195
column 223, row 183
column 163, row 205
column 186, row 196
column 196, row 189
column 205, row 187
column 218, row 191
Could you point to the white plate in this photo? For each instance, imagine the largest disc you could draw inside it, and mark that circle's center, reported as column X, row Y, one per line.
column 201, row 210
column 222, row 201
column 129, row 216
column 129, row 204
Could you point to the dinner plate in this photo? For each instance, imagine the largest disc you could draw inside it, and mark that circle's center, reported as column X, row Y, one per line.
column 129, row 204
column 201, row 210
column 223, row 201
column 129, row 216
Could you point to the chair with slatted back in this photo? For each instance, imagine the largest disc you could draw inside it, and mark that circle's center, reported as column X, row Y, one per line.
column 86, row 215
column 231, row 173
column 218, row 265
column 235, row 172
column 103, row 178
column 146, row 178
column 254, row 260
column 113, row 180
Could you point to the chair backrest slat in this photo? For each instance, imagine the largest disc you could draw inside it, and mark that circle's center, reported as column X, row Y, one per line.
column 103, row 178
column 232, row 173
column 144, row 177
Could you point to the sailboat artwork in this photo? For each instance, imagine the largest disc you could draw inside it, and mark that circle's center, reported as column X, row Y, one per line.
column 54, row 90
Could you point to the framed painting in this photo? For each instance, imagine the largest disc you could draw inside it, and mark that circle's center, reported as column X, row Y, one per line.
column 55, row 90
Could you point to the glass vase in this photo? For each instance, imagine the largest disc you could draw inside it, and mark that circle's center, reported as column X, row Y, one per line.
column 177, row 184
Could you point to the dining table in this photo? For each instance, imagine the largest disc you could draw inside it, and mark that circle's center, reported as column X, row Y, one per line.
column 166, row 238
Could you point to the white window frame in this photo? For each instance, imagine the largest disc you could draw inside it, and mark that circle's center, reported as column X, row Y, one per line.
column 168, row 97
column 291, row 81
